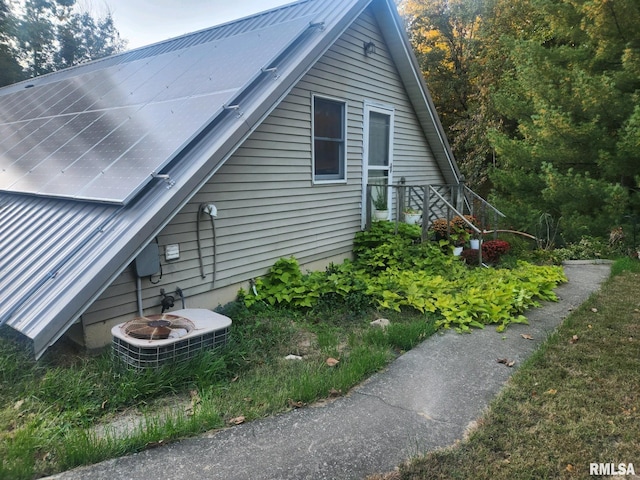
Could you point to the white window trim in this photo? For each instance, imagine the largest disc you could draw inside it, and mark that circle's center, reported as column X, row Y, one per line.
column 320, row 181
column 385, row 109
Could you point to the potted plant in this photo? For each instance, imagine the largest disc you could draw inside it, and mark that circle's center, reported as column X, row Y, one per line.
column 411, row 216
column 459, row 234
column 459, row 239
column 464, row 230
column 474, row 242
column 440, row 228
column 380, row 203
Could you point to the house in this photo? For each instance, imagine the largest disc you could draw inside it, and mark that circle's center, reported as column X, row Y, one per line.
column 217, row 153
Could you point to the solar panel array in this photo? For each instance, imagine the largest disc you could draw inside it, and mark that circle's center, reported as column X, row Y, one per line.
column 101, row 134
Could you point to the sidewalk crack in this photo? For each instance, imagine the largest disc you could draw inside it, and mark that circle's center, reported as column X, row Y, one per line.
column 408, row 410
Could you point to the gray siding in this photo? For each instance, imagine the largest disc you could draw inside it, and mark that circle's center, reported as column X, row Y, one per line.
column 268, row 207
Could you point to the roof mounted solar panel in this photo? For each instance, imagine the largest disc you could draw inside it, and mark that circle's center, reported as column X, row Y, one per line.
column 104, row 136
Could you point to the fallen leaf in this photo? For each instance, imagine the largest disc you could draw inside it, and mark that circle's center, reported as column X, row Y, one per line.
column 574, row 339
column 236, row 420
column 589, row 326
column 335, row 393
column 594, row 310
column 526, row 336
column 332, row 362
column 551, row 391
column 18, row 404
column 570, row 468
column 507, row 362
column 294, row 404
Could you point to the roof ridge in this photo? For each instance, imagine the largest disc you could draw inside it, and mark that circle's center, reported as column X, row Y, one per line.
column 205, row 35
column 179, row 42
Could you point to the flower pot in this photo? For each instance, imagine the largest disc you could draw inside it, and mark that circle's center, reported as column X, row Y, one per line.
column 381, row 214
column 475, row 243
column 457, row 251
column 412, row 218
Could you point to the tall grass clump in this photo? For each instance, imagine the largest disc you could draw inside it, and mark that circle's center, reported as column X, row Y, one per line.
column 625, row 264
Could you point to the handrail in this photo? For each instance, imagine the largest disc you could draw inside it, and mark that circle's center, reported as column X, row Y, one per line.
column 444, row 200
column 483, row 201
column 431, row 201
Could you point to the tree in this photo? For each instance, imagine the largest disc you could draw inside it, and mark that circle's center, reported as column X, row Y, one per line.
column 10, row 71
column 51, row 34
column 84, row 38
column 445, row 38
column 570, row 88
column 36, row 33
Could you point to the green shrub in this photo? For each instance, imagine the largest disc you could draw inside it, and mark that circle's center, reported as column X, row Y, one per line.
column 397, row 272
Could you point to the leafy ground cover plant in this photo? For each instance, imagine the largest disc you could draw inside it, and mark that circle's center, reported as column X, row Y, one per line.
column 397, row 272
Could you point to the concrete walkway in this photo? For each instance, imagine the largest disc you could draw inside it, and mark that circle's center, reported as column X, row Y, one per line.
column 425, row 400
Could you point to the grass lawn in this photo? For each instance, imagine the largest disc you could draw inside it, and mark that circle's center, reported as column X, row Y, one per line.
column 71, row 410
column 576, row 401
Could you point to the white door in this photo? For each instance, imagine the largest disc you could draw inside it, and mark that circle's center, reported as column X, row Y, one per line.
column 377, row 162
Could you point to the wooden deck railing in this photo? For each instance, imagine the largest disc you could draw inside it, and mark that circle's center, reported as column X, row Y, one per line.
column 439, row 201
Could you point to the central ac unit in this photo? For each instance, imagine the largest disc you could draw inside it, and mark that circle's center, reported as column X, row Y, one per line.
column 154, row 340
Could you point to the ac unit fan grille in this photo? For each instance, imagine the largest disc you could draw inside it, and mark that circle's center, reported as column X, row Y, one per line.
column 158, row 327
column 156, row 340
column 154, row 357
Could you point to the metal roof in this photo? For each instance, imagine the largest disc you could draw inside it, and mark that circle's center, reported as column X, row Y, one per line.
column 104, row 134
column 64, row 241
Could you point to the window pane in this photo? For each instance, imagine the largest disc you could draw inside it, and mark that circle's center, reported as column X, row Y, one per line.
column 379, row 127
column 328, row 119
column 328, row 158
column 329, row 142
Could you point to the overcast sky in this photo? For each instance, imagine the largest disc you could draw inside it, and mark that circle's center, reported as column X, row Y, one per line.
column 143, row 22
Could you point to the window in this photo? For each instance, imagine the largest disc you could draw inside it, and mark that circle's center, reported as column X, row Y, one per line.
column 328, row 140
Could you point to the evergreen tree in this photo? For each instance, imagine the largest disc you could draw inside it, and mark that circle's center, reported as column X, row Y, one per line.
column 10, row 71
column 84, row 38
column 569, row 89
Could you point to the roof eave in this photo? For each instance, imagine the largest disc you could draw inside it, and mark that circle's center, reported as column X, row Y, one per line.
column 409, row 70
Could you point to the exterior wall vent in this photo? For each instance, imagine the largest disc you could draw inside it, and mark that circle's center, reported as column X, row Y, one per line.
column 156, row 340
